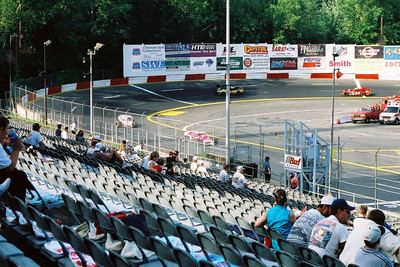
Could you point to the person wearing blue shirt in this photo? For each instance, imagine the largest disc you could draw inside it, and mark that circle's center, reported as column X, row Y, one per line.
column 267, row 170
column 278, row 218
column 35, row 138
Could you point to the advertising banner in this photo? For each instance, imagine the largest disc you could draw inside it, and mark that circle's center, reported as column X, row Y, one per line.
column 392, row 58
column 311, row 50
column 345, row 62
column 203, row 64
column 293, row 162
column 312, row 64
column 236, row 63
column 132, row 60
column 203, row 50
column 283, row 50
column 153, row 58
column 256, row 57
column 369, row 59
column 177, row 57
column 283, row 63
column 371, row 51
column 236, row 50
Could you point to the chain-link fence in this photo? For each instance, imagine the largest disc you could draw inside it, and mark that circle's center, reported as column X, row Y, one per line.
column 360, row 173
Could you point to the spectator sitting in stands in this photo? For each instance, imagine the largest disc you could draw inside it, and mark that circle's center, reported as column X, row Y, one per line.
column 154, row 156
column 58, row 130
column 389, row 243
column 186, row 164
column 35, row 139
column 301, row 230
column 19, row 181
column 238, row 179
column 138, row 148
column 122, row 148
column 111, row 156
column 169, row 166
column 160, row 164
column 224, row 175
column 144, row 162
column 369, row 255
column 329, row 235
column 193, row 165
column 64, row 133
column 201, row 170
column 72, row 126
column 278, row 218
column 91, row 150
column 361, row 216
column 79, row 136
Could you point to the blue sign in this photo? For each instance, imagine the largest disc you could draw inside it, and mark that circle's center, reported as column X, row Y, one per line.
column 392, row 53
column 153, row 64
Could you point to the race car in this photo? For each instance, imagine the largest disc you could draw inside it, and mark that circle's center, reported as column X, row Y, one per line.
column 235, row 90
column 362, row 91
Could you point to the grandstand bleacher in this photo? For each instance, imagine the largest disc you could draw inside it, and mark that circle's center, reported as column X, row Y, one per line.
column 156, row 220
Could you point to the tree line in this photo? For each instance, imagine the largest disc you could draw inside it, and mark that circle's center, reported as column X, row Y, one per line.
column 74, row 26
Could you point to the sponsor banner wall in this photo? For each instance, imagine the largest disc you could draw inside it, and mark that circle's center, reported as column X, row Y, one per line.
column 256, row 57
column 345, row 62
column 203, row 50
column 369, row 59
column 144, row 59
column 236, row 63
column 203, row 64
column 311, row 50
column 177, row 57
column 283, row 64
column 283, row 50
column 391, row 58
column 236, row 53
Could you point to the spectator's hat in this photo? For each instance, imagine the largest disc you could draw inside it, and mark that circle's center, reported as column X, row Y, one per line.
column 373, row 234
column 96, row 138
column 239, row 168
column 327, row 200
column 195, row 158
column 98, row 147
column 341, row 204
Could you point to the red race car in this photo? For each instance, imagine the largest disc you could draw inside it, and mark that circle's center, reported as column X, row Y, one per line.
column 363, row 91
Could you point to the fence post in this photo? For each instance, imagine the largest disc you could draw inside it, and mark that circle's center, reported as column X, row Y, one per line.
column 375, row 179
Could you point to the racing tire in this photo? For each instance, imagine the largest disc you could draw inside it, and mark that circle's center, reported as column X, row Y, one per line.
column 381, row 122
column 363, row 95
column 397, row 121
column 354, row 121
column 367, row 120
column 346, row 94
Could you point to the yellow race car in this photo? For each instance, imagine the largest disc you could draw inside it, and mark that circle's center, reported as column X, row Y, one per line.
column 235, row 90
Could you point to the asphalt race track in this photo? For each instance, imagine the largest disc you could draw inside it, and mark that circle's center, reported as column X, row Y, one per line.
column 265, row 105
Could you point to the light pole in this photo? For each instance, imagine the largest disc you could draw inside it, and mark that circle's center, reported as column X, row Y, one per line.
column 335, row 54
column 12, row 36
column 91, row 53
column 45, row 44
column 228, row 88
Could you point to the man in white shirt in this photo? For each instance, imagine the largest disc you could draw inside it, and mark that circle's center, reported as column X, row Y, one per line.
column 302, row 228
column 369, row 255
column 329, row 236
column 223, row 175
column 64, row 133
column 389, row 243
column 238, row 179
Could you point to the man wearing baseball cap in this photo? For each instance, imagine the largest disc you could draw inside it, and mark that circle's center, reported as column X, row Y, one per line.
column 389, row 243
column 369, row 255
column 301, row 230
column 329, row 235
